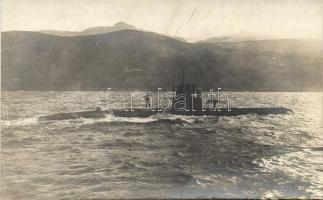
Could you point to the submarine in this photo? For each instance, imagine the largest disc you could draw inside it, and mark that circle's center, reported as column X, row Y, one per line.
column 190, row 103
column 186, row 100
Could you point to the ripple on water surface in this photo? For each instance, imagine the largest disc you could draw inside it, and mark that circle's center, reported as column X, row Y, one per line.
column 161, row 156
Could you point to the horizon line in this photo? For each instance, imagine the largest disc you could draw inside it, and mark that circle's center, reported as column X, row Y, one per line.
column 235, row 38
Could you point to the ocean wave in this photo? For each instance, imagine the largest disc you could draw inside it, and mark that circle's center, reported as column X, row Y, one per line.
column 112, row 119
column 108, row 118
column 303, row 165
column 20, row 122
column 161, row 118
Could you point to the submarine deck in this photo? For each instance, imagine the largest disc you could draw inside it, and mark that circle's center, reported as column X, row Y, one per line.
column 148, row 113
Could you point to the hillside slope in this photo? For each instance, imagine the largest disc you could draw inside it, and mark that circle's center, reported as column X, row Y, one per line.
column 131, row 59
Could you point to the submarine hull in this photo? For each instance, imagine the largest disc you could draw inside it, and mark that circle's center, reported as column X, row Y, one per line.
column 148, row 113
column 232, row 112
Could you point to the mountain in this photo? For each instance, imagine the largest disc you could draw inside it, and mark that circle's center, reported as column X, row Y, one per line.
column 226, row 39
column 91, row 31
column 132, row 59
column 99, row 30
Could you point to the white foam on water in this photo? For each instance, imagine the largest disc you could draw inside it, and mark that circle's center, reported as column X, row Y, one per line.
column 153, row 118
column 54, row 124
column 272, row 194
column 112, row 118
column 20, row 122
column 186, row 118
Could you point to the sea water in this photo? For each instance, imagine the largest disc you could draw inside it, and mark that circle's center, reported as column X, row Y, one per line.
column 165, row 156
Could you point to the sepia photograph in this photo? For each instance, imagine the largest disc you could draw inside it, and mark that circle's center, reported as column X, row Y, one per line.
column 161, row 99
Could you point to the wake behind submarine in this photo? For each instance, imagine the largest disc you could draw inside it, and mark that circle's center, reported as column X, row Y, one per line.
column 188, row 103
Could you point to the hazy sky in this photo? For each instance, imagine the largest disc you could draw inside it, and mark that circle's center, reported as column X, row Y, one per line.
column 191, row 19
